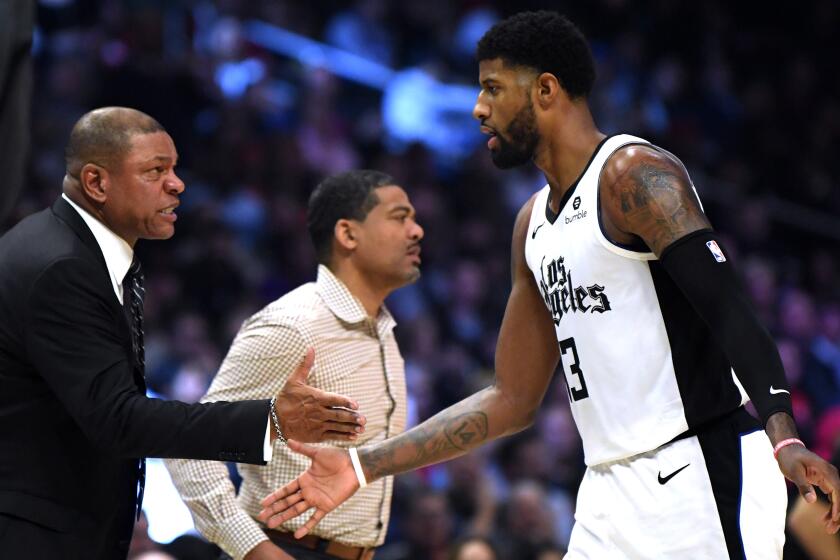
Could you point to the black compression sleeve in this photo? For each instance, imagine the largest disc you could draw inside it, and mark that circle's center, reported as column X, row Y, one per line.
column 701, row 269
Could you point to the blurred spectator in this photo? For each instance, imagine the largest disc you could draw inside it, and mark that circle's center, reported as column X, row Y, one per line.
column 427, row 529
column 822, row 376
column 528, row 524
column 473, row 548
column 550, row 553
column 472, row 494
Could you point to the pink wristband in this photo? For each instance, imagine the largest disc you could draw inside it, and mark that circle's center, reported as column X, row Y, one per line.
column 785, row 443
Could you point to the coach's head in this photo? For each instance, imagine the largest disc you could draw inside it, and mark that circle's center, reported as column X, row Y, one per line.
column 363, row 227
column 121, row 169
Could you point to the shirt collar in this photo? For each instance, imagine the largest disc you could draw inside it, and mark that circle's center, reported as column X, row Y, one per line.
column 346, row 306
column 117, row 252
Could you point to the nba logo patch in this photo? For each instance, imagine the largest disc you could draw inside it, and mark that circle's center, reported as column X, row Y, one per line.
column 715, row 250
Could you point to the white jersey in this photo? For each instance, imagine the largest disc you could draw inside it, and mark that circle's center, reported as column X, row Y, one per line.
column 641, row 366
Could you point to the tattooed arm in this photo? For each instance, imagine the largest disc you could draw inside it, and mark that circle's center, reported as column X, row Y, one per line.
column 646, row 195
column 526, row 357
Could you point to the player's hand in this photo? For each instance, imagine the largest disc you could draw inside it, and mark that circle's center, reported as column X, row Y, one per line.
column 325, row 485
column 311, row 415
column 806, row 470
column 267, row 550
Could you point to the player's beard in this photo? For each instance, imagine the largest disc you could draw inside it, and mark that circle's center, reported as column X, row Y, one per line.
column 523, row 135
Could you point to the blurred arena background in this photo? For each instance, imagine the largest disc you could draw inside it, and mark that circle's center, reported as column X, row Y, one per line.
column 264, row 98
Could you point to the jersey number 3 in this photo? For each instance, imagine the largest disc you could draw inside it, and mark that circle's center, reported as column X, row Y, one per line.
column 574, row 375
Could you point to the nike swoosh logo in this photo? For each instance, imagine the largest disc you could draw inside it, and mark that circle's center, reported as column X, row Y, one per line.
column 778, row 391
column 670, row 476
column 536, row 229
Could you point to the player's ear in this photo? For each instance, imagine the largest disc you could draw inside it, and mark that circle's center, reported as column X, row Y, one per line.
column 547, row 89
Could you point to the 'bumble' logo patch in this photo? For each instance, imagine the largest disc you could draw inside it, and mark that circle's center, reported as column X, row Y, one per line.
column 715, row 250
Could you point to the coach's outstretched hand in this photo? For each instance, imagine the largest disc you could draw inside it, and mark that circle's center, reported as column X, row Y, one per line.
column 806, row 470
column 325, row 485
column 312, row 415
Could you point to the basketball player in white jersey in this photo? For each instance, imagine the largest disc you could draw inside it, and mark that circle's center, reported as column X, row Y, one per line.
column 618, row 277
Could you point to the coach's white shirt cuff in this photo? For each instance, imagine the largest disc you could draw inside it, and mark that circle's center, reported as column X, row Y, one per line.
column 268, row 449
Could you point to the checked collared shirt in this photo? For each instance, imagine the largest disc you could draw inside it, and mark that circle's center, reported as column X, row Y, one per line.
column 355, row 356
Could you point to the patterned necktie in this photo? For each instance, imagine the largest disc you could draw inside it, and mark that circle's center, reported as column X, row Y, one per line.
column 133, row 293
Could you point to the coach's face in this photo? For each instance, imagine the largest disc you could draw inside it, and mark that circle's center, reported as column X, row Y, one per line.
column 506, row 112
column 387, row 242
column 142, row 190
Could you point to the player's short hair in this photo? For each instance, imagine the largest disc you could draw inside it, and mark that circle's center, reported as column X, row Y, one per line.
column 103, row 136
column 346, row 196
column 545, row 41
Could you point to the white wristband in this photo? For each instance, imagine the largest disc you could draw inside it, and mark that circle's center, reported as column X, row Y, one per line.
column 357, row 466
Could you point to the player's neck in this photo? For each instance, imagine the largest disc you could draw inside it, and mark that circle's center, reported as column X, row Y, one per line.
column 565, row 152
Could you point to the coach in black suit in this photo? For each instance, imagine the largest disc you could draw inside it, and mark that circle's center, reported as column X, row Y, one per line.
column 75, row 423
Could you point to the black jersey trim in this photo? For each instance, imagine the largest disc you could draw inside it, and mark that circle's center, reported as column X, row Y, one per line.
column 549, row 213
column 723, row 455
column 702, row 369
column 640, row 246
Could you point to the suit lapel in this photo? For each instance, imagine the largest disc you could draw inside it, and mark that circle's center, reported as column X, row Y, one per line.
column 74, row 221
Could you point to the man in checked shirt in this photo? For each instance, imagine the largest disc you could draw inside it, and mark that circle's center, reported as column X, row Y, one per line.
column 368, row 244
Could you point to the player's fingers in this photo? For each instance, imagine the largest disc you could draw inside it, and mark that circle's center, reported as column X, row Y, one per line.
column 313, row 520
column 834, row 496
column 272, row 509
column 832, row 481
column 799, row 478
column 831, row 526
column 281, row 493
column 807, row 492
column 290, row 513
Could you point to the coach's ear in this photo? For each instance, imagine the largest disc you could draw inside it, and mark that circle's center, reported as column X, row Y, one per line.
column 346, row 235
column 95, row 181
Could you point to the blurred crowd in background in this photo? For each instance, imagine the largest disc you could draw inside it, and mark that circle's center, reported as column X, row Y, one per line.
column 749, row 100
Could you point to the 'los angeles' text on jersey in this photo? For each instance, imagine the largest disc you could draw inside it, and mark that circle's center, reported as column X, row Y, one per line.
column 639, row 364
column 562, row 296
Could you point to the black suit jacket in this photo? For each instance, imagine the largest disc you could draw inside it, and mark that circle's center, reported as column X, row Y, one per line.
column 74, row 418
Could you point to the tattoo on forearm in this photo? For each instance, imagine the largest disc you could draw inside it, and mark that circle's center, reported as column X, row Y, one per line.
column 658, row 205
column 447, row 435
column 466, row 428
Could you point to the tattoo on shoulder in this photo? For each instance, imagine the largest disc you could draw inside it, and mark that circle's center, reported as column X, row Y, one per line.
column 658, row 205
column 467, row 429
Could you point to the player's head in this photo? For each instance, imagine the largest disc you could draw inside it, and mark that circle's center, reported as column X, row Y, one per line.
column 120, row 166
column 527, row 63
column 364, row 220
